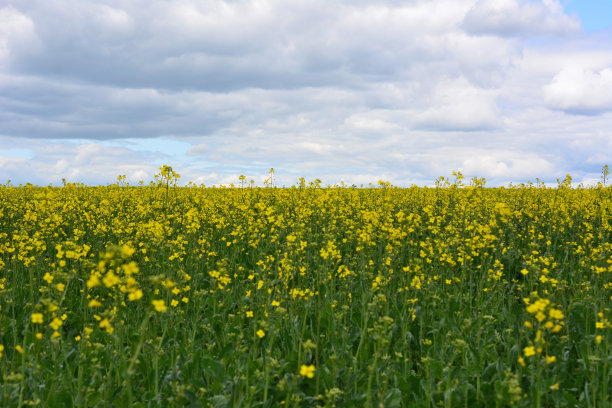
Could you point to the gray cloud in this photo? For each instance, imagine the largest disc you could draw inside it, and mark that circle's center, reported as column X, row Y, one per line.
column 225, row 46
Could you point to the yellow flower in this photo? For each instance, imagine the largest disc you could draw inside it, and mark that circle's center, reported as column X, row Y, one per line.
column 77, row 338
column 110, row 279
column 554, row 387
column 19, row 349
column 94, row 303
column 130, row 268
column 60, row 287
column 521, row 361
column 550, row 359
column 56, row 323
column 37, row 318
column 529, row 351
column 159, row 305
column 93, row 281
column 598, row 339
column 39, row 336
column 131, row 282
column 55, row 335
column 556, row 314
column 307, row 371
column 249, row 313
column 1, row 349
column 174, row 303
column 105, row 324
column 127, row 251
column 260, row 333
column 135, row 295
column 185, row 300
column 48, row 277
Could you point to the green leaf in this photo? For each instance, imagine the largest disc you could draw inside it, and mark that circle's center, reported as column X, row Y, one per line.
column 219, row 401
column 213, row 369
column 393, row 399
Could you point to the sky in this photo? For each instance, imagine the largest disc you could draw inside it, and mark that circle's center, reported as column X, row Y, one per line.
column 345, row 90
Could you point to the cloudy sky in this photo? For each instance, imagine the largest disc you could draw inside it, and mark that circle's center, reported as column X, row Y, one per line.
column 351, row 90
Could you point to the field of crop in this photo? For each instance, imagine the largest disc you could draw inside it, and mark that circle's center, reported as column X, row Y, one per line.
column 306, row 296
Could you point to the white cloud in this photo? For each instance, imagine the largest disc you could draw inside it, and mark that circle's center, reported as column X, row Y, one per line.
column 519, row 18
column 372, row 121
column 398, row 90
column 580, row 91
column 458, row 105
column 17, row 32
column 199, row 150
column 87, row 162
column 508, row 165
column 113, row 21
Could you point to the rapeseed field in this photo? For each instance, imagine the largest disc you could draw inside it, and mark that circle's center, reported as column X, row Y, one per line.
column 451, row 296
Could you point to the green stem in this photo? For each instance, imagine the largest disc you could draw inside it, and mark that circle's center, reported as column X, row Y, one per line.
column 134, row 359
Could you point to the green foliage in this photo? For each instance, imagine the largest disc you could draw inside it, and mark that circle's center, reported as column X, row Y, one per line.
column 305, row 297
